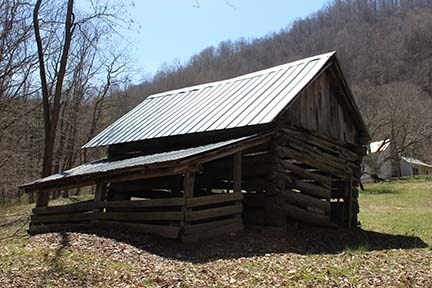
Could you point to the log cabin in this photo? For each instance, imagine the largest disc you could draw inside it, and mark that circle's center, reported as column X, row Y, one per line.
column 277, row 146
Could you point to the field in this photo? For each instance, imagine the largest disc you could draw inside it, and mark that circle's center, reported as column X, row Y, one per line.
column 393, row 249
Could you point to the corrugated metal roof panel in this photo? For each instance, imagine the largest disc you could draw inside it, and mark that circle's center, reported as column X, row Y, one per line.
column 105, row 165
column 251, row 99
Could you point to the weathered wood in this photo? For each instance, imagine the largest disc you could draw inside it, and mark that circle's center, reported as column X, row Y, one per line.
column 203, row 227
column 100, row 193
column 68, row 208
column 165, row 202
column 161, row 230
column 213, row 212
column 322, row 179
column 213, row 199
column 303, row 200
column 62, row 218
column 229, row 150
column 188, row 185
column 306, row 216
column 140, row 216
column 335, row 147
column 285, row 152
column 308, row 188
column 212, row 233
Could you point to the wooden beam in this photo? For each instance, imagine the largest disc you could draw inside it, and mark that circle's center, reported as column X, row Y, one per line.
column 303, row 200
column 62, row 218
column 213, row 212
column 323, row 180
column 213, row 199
column 68, row 208
column 306, row 216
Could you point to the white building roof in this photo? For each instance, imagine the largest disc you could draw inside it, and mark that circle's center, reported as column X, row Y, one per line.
column 374, row 146
column 414, row 161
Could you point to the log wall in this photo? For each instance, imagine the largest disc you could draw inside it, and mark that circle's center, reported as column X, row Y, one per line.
column 315, row 179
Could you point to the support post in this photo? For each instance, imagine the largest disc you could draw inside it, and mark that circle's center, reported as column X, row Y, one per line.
column 100, row 194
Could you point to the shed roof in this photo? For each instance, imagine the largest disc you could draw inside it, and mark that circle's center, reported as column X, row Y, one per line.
column 175, row 160
column 251, row 99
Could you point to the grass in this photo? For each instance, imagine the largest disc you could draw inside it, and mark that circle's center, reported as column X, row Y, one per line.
column 69, row 260
column 398, row 207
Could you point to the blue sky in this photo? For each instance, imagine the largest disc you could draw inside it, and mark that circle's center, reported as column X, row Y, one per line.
column 178, row 29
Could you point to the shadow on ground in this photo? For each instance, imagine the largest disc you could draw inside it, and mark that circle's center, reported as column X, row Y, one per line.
column 259, row 241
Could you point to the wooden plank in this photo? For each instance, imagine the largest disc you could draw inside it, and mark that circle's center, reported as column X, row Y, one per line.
column 213, row 212
column 213, row 199
column 189, row 184
column 235, row 227
column 310, row 160
column 306, row 216
column 100, row 191
column 140, row 216
column 237, row 171
column 161, row 230
column 62, row 218
column 68, row 208
column 204, row 227
column 165, row 202
column 323, row 180
column 303, row 200
column 308, row 188
column 337, row 147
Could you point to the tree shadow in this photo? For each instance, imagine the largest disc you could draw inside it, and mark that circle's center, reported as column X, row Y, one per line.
column 57, row 267
column 260, row 241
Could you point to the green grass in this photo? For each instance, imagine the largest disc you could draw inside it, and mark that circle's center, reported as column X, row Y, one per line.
column 398, row 207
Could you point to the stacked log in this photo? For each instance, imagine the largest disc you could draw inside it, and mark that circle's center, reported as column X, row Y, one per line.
column 314, row 179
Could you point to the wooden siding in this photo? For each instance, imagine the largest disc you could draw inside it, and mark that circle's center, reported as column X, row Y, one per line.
column 321, row 108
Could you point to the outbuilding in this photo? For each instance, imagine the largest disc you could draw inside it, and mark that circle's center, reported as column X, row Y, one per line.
column 281, row 144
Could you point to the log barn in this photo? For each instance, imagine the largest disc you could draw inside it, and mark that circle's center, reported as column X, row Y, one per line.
column 271, row 147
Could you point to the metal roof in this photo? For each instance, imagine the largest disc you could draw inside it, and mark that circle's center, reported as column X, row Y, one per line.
column 105, row 165
column 251, row 99
column 414, row 161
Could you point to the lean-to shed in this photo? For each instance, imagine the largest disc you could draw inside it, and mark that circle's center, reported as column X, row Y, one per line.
column 277, row 144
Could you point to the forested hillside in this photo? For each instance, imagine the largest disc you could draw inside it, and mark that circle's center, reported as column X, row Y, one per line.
column 384, row 46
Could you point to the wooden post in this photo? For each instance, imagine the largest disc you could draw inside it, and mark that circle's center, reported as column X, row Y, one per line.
column 237, row 169
column 188, row 184
column 100, row 194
